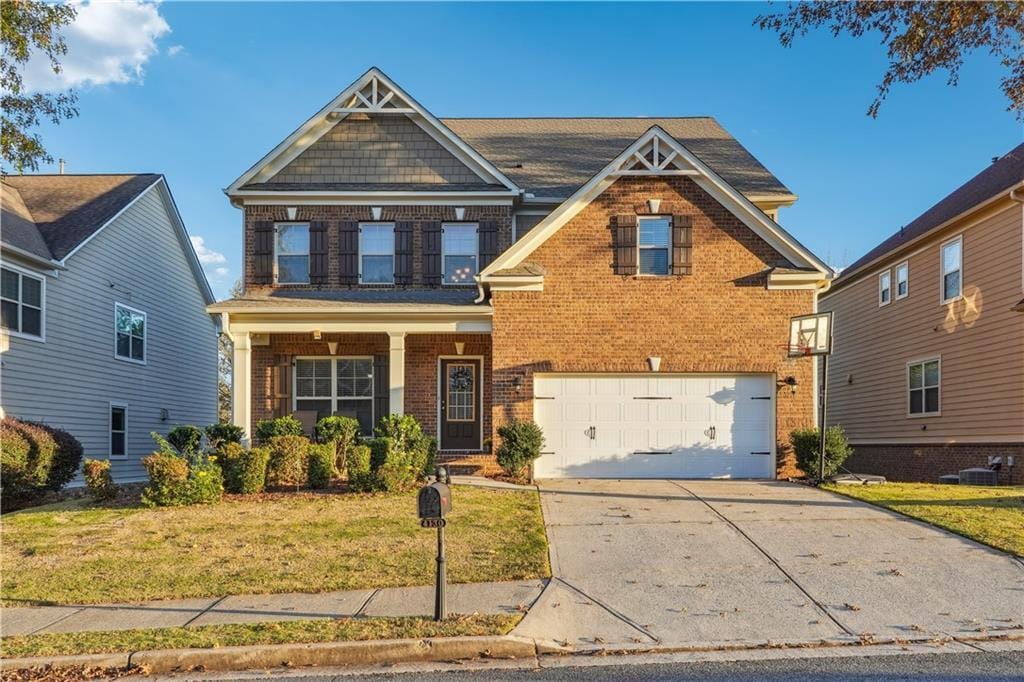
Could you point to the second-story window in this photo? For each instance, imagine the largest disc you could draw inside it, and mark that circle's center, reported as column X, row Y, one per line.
column 902, row 280
column 459, row 250
column 291, row 249
column 129, row 333
column 952, row 267
column 21, row 304
column 377, row 253
column 655, row 245
column 885, row 288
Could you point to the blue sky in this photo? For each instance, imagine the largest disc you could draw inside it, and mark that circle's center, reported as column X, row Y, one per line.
column 206, row 93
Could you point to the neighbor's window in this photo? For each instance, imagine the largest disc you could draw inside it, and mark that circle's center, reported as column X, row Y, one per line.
column 952, row 266
column 923, row 381
column 459, row 251
column 884, row 288
column 118, row 430
column 655, row 244
column 291, row 247
column 377, row 253
column 21, row 303
column 339, row 386
column 129, row 333
column 902, row 280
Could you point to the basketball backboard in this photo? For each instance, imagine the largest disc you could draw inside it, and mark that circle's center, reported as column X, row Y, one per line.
column 810, row 334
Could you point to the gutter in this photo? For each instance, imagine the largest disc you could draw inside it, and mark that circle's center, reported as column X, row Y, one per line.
column 38, row 260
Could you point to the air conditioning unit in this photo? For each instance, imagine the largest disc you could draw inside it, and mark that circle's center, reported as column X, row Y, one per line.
column 979, row 476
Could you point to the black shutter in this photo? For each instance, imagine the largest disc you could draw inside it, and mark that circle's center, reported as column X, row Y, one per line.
column 282, row 385
column 624, row 229
column 381, row 389
column 318, row 252
column 348, row 252
column 682, row 245
column 487, row 236
column 403, row 253
column 263, row 252
column 432, row 253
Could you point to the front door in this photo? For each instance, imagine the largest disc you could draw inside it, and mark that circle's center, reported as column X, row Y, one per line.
column 459, row 398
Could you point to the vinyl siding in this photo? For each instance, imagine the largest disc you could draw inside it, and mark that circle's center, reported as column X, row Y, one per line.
column 979, row 338
column 71, row 379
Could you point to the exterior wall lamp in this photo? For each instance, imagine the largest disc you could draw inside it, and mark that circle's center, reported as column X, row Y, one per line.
column 517, row 382
column 317, row 335
column 788, row 381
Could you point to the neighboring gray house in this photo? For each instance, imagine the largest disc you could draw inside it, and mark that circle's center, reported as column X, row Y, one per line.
column 104, row 325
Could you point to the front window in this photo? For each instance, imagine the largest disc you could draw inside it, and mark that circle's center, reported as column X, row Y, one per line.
column 292, row 250
column 952, row 266
column 377, row 251
column 129, row 333
column 902, row 280
column 923, row 382
column 118, row 430
column 884, row 288
column 655, row 245
column 459, row 249
column 21, row 303
column 336, row 386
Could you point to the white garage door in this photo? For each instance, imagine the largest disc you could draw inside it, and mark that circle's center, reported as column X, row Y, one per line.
column 626, row 426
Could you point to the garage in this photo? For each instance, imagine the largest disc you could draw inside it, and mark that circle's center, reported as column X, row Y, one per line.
column 665, row 426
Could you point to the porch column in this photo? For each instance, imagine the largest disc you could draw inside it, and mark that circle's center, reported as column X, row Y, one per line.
column 396, row 373
column 241, row 383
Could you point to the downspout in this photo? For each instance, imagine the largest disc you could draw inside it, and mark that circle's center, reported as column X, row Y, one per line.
column 480, row 288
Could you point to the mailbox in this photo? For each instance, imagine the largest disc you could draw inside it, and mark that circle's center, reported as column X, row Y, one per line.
column 434, row 501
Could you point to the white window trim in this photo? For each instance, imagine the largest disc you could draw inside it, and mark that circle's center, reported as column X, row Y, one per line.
column 24, row 272
column 640, row 219
column 292, row 223
column 885, row 274
column 377, row 223
column 942, row 271
column 921, row 361
column 110, row 430
column 444, row 254
column 515, row 222
column 145, row 335
column 334, row 397
column 896, row 289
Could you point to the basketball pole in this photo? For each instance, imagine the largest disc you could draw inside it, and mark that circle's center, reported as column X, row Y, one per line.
column 821, row 432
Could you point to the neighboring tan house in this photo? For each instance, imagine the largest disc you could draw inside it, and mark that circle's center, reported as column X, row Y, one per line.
column 927, row 373
column 621, row 281
column 104, row 326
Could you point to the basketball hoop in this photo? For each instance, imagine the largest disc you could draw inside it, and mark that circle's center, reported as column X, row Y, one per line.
column 810, row 335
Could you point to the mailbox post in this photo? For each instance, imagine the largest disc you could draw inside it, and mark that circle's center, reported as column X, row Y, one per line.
column 434, row 502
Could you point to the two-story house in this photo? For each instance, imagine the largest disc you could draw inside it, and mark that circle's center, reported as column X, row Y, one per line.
column 104, row 329
column 623, row 282
column 927, row 373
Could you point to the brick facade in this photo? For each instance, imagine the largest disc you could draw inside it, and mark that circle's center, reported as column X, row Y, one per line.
column 929, row 461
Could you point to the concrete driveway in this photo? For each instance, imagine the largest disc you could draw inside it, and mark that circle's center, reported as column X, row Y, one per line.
column 692, row 563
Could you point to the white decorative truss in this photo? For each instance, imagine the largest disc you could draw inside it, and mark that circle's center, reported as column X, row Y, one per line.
column 375, row 97
column 653, row 159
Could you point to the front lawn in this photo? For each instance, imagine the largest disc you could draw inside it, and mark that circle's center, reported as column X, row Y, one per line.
column 78, row 553
column 991, row 515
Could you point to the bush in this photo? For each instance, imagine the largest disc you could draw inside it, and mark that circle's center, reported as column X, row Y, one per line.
column 223, row 432
column 360, row 475
column 288, row 463
column 403, row 430
column 321, row 465
column 205, row 483
column 98, row 480
column 342, row 433
column 187, row 440
column 427, row 455
column 28, row 453
column 392, row 466
column 42, row 449
column 14, row 449
column 287, row 425
column 66, row 460
column 521, row 442
column 807, row 447
column 245, row 471
column 168, row 480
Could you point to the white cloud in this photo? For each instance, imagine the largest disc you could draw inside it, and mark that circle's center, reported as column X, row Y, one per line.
column 175, row 50
column 210, row 258
column 108, row 42
column 220, row 273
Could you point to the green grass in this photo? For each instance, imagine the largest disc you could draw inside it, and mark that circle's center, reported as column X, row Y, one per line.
column 991, row 515
column 76, row 553
column 212, row 636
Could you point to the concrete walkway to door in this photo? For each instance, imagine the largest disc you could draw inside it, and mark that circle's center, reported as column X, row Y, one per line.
column 694, row 563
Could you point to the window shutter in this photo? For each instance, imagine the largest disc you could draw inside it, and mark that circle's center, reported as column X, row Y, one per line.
column 432, row 253
column 282, row 384
column 263, row 252
column 403, row 253
column 487, row 235
column 682, row 245
column 381, row 389
column 348, row 252
column 318, row 252
column 624, row 229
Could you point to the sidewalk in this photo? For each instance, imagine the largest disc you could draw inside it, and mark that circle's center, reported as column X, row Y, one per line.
column 482, row 598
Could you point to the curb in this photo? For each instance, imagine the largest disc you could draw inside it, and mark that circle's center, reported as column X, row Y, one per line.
column 80, row 661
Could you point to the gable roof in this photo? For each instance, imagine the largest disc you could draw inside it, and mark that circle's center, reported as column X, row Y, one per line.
column 553, row 157
column 658, row 153
column 18, row 228
column 1006, row 172
column 66, row 210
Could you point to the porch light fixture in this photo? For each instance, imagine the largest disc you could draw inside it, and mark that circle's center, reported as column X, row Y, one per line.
column 292, row 212
column 654, row 363
column 164, row 414
column 332, row 346
column 788, row 381
column 517, row 382
column 460, row 347
column 653, row 205
column 316, row 335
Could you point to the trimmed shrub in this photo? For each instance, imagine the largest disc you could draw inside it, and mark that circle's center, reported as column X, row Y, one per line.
column 245, row 471
column 360, row 476
column 14, row 449
column 187, row 440
column 807, row 448
column 392, row 466
column 223, row 432
column 287, row 425
column 98, row 480
column 168, row 480
column 66, row 460
column 403, row 430
column 205, row 483
column 321, row 465
column 41, row 451
column 425, row 456
column 521, row 442
column 342, row 433
column 289, row 458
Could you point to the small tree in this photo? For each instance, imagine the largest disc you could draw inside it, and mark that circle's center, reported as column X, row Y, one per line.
column 340, row 432
column 187, row 440
column 521, row 442
column 807, row 447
